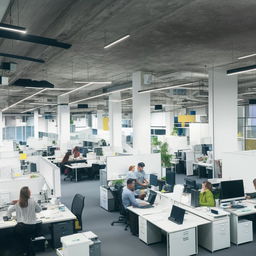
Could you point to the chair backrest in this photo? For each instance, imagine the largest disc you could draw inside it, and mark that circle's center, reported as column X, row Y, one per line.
column 122, row 209
column 78, row 206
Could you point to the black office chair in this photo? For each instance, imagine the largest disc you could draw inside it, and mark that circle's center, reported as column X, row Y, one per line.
column 123, row 218
column 77, row 209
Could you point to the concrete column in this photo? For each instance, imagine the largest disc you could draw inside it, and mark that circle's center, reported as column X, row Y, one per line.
column 63, row 122
column 169, row 117
column 100, row 119
column 36, row 124
column 1, row 126
column 115, row 122
column 141, row 116
column 223, row 92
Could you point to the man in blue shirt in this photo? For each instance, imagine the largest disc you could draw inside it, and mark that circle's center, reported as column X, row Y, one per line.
column 129, row 197
column 141, row 182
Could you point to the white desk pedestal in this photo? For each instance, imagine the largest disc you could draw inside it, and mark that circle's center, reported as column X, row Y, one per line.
column 182, row 243
column 215, row 235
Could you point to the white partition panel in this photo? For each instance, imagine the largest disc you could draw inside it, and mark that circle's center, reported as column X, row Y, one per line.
column 51, row 173
column 240, row 165
column 198, row 133
column 118, row 165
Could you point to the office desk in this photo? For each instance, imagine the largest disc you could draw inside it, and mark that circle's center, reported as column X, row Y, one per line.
column 205, row 165
column 77, row 166
column 61, row 222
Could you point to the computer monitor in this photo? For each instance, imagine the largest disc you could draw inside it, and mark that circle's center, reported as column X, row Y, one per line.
column 152, row 197
column 232, row 190
column 170, row 177
column 190, row 184
column 153, row 180
column 33, row 167
column 177, row 215
column 87, row 144
column 83, row 151
column 98, row 151
column 195, row 194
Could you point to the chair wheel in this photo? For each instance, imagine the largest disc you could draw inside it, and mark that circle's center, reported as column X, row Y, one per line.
column 112, row 224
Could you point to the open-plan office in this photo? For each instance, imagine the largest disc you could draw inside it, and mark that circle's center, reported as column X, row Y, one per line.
column 127, row 127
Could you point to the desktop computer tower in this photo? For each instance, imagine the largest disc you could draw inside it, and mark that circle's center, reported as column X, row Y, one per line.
column 195, row 198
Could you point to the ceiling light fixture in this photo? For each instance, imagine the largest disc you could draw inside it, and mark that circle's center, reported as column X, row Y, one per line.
column 43, row 104
column 20, row 101
column 13, row 28
column 85, row 82
column 99, row 95
column 247, row 56
column 241, row 70
column 76, row 89
column 164, row 88
column 122, row 100
column 29, row 110
column 116, row 42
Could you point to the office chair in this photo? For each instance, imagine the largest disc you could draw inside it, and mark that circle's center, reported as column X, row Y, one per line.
column 77, row 209
column 123, row 218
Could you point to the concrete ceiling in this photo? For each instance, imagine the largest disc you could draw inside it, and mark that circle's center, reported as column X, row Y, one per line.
column 176, row 41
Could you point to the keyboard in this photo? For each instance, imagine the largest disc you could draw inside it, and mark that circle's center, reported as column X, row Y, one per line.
column 147, row 206
column 238, row 206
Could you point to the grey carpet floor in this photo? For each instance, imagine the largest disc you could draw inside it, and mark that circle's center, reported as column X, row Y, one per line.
column 116, row 241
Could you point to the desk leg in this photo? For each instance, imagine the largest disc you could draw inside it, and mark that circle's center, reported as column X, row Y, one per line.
column 168, row 244
column 76, row 174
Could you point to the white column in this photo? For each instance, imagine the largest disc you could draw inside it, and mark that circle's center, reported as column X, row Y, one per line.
column 100, row 119
column 169, row 117
column 36, row 124
column 63, row 122
column 141, row 116
column 115, row 121
column 223, row 92
column 1, row 126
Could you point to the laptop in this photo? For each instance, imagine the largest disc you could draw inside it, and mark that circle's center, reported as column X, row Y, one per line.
column 151, row 200
column 177, row 215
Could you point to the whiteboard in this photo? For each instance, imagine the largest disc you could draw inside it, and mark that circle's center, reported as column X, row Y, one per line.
column 117, row 166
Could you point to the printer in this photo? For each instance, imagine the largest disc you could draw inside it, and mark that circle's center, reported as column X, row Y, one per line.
column 81, row 244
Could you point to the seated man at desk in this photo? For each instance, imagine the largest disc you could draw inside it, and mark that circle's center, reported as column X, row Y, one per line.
column 141, row 182
column 26, row 209
column 129, row 196
column 252, row 195
column 206, row 197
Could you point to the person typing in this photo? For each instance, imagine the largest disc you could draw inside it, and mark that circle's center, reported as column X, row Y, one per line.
column 26, row 209
column 129, row 196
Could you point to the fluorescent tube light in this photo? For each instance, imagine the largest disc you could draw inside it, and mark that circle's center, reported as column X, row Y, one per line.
column 99, row 95
column 247, row 56
column 164, row 88
column 122, row 100
column 116, row 42
column 85, row 82
column 43, row 104
column 20, row 101
column 241, row 70
column 29, row 110
column 13, row 28
column 76, row 89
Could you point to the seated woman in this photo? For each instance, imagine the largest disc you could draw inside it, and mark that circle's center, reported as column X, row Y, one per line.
column 206, row 197
column 76, row 153
column 26, row 209
column 64, row 161
column 131, row 173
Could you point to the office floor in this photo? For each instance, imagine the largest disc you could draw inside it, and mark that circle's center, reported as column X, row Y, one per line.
column 116, row 241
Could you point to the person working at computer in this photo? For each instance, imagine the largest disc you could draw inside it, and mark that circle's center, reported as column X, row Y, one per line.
column 76, row 152
column 206, row 197
column 252, row 195
column 141, row 182
column 26, row 209
column 129, row 196
column 131, row 173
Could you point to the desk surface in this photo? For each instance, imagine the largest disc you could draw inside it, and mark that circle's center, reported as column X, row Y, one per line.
column 51, row 215
column 161, row 221
column 77, row 165
column 203, row 164
column 248, row 210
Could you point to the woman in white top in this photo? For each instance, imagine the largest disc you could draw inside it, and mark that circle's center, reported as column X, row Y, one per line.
column 26, row 209
column 131, row 173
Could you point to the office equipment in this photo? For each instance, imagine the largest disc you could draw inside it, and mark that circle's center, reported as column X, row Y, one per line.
column 33, row 167
column 170, row 177
column 214, row 211
column 152, row 197
column 153, row 180
column 232, row 190
column 83, row 151
column 195, row 197
column 59, row 230
column 51, row 150
column 190, row 184
column 98, row 151
column 160, row 184
column 88, row 144
column 177, row 215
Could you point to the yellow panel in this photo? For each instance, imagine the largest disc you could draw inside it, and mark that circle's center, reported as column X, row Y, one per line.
column 186, row 118
column 105, row 124
column 23, row 156
column 250, row 144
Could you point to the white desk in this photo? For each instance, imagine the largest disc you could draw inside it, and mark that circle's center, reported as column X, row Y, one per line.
column 51, row 215
column 77, row 166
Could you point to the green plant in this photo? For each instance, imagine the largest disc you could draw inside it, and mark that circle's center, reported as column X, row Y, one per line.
column 165, row 156
column 118, row 182
column 174, row 131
